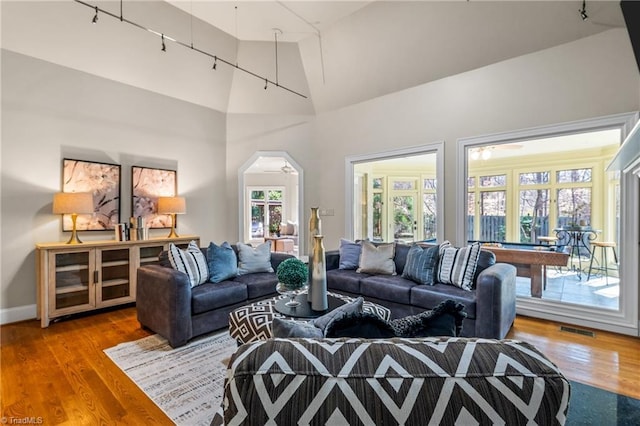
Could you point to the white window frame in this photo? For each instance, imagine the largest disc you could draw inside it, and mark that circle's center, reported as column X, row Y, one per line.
column 624, row 320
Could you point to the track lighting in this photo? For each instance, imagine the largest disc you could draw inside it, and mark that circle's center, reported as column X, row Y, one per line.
column 583, row 11
column 190, row 46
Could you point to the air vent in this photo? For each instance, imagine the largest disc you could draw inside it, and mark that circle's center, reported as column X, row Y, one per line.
column 577, row 331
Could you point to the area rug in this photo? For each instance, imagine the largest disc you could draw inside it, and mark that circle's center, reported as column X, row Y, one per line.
column 186, row 382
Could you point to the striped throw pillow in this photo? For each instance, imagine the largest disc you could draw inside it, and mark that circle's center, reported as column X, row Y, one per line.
column 458, row 265
column 190, row 261
column 420, row 264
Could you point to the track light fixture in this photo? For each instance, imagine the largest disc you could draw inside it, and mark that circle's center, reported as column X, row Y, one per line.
column 190, row 46
column 583, row 11
column 95, row 17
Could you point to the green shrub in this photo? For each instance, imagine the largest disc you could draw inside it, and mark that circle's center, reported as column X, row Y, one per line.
column 293, row 273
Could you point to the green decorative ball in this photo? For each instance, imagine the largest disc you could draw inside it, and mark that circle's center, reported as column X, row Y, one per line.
column 293, row 273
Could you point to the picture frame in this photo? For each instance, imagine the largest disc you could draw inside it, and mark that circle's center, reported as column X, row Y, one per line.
column 103, row 181
column 147, row 184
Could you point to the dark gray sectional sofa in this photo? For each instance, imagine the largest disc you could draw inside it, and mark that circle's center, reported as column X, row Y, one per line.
column 168, row 305
column 490, row 306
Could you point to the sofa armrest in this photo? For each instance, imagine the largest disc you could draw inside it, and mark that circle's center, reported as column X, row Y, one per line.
column 332, row 259
column 163, row 303
column 495, row 301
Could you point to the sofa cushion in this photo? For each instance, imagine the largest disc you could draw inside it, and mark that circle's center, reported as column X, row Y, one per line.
column 349, row 254
column 222, row 261
column 377, row 259
column 344, row 280
column 430, row 296
column 287, row 328
column 457, row 266
column 400, row 257
column 443, row 320
column 420, row 264
column 387, row 287
column 254, row 259
column 361, row 325
column 485, row 260
column 259, row 284
column 210, row 296
column 190, row 261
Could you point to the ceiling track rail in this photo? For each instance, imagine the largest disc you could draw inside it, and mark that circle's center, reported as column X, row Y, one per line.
column 190, row 46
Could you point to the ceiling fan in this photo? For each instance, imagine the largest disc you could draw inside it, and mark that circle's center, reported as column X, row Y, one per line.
column 484, row 152
column 286, row 169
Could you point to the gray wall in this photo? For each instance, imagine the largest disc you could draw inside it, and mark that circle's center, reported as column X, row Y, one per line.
column 50, row 112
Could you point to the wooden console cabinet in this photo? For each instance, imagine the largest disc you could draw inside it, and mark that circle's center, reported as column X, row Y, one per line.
column 92, row 275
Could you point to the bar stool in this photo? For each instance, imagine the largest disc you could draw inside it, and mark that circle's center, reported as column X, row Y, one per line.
column 604, row 267
column 548, row 240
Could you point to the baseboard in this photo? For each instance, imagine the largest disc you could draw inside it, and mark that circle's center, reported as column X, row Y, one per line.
column 20, row 313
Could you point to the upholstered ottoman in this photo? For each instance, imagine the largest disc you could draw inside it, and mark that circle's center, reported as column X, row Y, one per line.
column 435, row 381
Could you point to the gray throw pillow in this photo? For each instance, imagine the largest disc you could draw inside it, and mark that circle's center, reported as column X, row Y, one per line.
column 377, row 259
column 287, row 328
column 348, row 308
column 252, row 260
column 349, row 254
column 420, row 264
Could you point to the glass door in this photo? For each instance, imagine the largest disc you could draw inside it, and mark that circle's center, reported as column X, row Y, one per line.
column 404, row 222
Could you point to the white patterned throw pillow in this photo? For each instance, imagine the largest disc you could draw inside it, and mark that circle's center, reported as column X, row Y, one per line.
column 190, row 261
column 458, row 265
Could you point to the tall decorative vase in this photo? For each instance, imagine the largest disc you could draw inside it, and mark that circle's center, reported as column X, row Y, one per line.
column 314, row 229
column 318, row 287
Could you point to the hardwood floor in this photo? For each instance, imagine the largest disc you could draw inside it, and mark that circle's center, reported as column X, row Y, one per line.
column 61, row 374
column 608, row 361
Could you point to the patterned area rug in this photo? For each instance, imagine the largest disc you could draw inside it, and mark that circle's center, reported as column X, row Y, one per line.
column 187, row 382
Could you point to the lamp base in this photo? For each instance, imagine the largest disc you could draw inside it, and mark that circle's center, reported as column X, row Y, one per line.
column 173, row 233
column 74, row 234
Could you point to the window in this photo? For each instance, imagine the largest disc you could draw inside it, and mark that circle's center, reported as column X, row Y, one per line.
column 266, row 211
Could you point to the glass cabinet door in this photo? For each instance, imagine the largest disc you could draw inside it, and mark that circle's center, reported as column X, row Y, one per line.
column 115, row 274
column 72, row 273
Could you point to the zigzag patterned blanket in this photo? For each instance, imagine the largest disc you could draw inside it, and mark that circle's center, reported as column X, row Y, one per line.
column 435, row 381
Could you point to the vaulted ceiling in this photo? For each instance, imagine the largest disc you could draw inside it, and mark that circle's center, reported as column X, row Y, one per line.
column 354, row 51
column 337, row 53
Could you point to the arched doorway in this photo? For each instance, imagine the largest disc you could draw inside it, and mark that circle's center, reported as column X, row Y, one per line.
column 271, row 195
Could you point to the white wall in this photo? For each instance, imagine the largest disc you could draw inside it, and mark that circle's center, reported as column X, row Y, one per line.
column 592, row 77
column 50, row 112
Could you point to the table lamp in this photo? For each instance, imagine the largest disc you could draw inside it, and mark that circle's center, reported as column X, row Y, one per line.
column 73, row 203
column 172, row 206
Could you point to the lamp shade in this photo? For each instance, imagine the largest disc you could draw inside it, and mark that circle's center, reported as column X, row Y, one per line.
column 72, row 202
column 172, row 205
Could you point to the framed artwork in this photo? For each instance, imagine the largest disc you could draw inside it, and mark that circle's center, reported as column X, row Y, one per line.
column 147, row 185
column 103, row 181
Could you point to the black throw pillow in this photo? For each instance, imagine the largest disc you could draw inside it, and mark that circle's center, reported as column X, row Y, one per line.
column 443, row 320
column 359, row 324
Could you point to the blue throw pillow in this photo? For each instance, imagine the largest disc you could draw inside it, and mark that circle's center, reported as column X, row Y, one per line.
column 223, row 262
column 420, row 264
column 349, row 254
column 252, row 260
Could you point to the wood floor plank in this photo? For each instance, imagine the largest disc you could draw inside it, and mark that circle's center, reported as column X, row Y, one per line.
column 62, row 374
